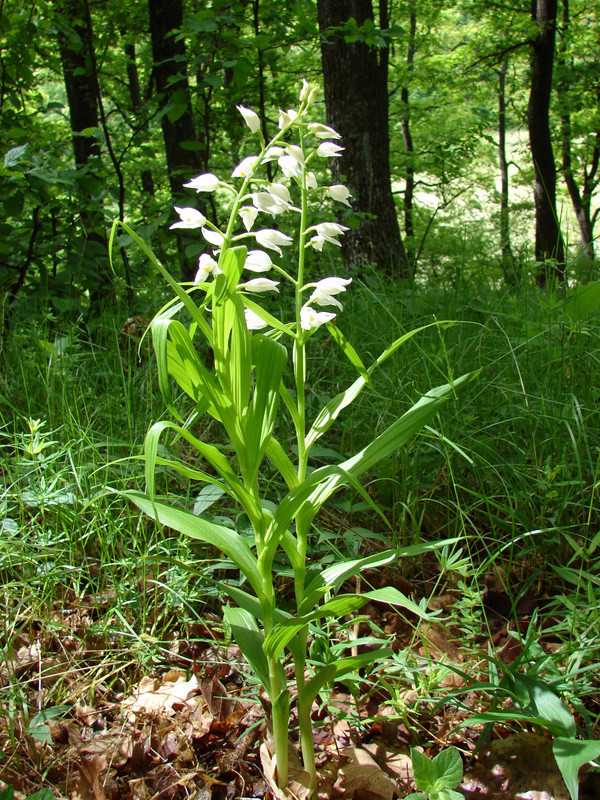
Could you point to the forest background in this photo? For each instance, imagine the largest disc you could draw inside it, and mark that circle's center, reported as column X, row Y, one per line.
column 472, row 136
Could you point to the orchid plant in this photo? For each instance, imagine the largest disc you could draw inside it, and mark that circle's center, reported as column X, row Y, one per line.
column 260, row 372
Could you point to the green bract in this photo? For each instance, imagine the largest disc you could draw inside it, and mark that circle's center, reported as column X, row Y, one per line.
column 259, row 373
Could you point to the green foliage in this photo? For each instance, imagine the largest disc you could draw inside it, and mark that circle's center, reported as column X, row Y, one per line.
column 438, row 777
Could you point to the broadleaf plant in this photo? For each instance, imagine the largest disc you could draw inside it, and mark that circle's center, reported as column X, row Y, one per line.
column 260, row 373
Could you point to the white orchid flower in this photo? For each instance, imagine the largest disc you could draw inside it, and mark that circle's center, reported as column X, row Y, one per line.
column 308, row 93
column 329, row 150
column 273, row 240
column 213, row 237
column 296, row 152
column 206, row 266
column 207, row 182
column 245, row 169
column 290, row 166
column 272, row 153
column 305, row 90
column 253, row 321
column 309, row 318
column 190, row 218
column 248, row 216
column 280, row 191
column 330, row 231
column 340, row 193
column 326, row 289
column 286, row 118
column 317, row 243
column 258, row 261
column 269, row 203
column 323, row 131
column 259, row 285
column 251, row 118
column 311, row 181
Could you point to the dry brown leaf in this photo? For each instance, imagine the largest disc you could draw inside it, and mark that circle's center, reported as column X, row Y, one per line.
column 298, row 776
column 362, row 776
column 88, row 786
column 153, row 697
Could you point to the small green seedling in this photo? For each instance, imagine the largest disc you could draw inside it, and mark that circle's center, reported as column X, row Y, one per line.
column 438, row 777
column 44, row 794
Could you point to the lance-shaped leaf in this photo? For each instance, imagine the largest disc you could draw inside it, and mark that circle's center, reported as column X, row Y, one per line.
column 269, row 359
column 196, row 314
column 250, row 641
column 282, row 462
column 233, row 486
column 570, row 755
column 334, row 671
column 337, row 404
column 348, row 351
column 271, row 321
column 339, row 606
column 224, row 539
column 318, row 487
column 331, row 579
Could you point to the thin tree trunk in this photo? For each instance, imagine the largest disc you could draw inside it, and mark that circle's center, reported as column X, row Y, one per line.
column 76, row 56
column 135, row 96
column 409, row 189
column 549, row 246
column 170, row 77
column 356, row 97
column 581, row 200
column 509, row 270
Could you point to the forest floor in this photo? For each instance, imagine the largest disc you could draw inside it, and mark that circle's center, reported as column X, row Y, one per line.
column 191, row 725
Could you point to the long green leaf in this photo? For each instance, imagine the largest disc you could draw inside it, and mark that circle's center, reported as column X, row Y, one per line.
column 570, row 755
column 333, row 671
column 337, row 404
column 225, row 539
column 269, row 358
column 250, row 640
column 187, row 301
column 339, row 606
column 348, row 351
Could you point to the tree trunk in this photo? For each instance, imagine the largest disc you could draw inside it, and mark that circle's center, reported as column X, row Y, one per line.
column 77, row 58
column 509, row 267
column 170, row 77
column 409, row 189
column 135, row 96
column 581, row 199
column 357, row 107
column 549, row 247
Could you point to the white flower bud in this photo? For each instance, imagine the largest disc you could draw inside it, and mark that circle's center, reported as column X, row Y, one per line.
column 258, row 261
column 260, row 285
column 251, row 118
column 206, row 182
column 253, row 321
column 273, row 240
column 340, row 193
column 286, row 118
column 245, row 169
column 248, row 216
column 329, row 150
column 323, row 131
column 213, row 237
column 190, row 218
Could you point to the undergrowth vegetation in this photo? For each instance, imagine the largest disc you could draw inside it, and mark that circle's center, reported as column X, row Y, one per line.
column 513, row 470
